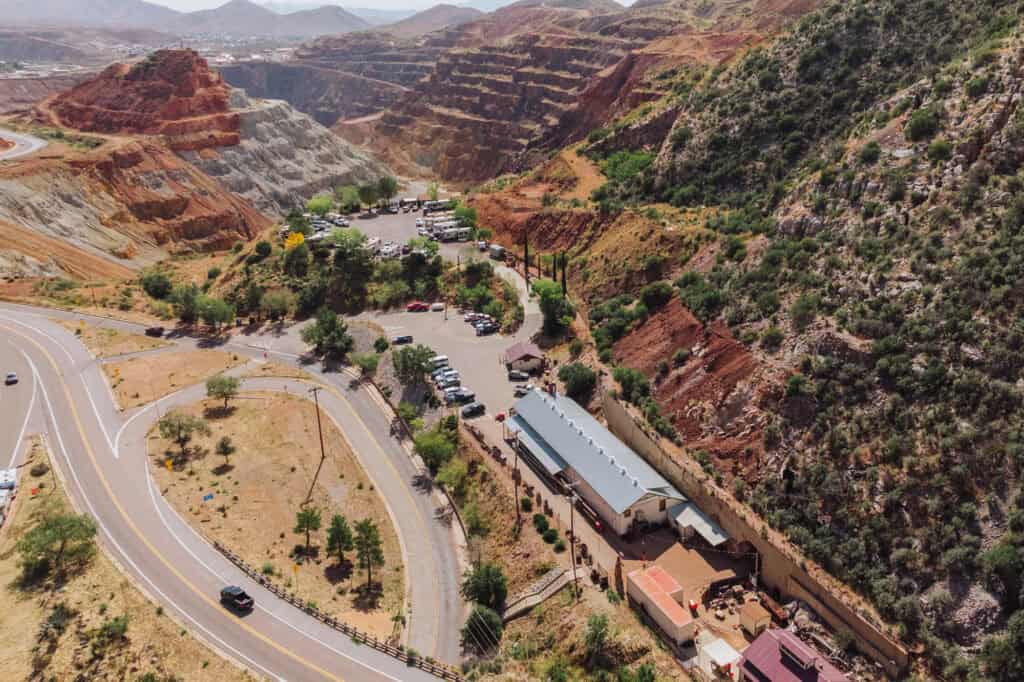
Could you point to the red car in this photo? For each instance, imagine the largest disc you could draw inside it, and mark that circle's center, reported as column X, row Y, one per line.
column 417, row 307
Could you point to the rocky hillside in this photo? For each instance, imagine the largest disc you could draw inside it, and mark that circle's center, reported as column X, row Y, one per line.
column 165, row 176
column 129, row 202
column 172, row 93
column 432, row 19
column 827, row 316
column 283, row 157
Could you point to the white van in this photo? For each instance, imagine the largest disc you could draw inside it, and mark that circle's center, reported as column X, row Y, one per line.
column 439, row 361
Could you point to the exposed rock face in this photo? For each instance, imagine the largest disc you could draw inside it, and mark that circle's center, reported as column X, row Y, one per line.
column 171, row 93
column 341, row 77
column 283, row 158
column 132, row 203
column 18, row 94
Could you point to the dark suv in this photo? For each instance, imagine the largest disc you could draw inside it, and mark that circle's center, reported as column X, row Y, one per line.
column 235, row 598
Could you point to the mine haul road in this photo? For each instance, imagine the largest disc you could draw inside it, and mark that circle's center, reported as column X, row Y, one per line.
column 100, row 453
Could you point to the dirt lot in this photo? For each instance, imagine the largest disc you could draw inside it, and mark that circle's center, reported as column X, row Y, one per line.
column 259, row 493
column 107, row 343
column 277, row 370
column 154, row 642
column 143, row 379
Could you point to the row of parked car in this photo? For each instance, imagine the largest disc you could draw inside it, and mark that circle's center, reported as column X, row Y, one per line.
column 447, row 379
column 483, row 324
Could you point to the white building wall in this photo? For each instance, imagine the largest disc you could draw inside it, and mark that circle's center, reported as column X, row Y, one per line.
column 678, row 634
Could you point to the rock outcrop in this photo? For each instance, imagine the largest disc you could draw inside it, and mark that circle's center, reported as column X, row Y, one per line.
column 283, row 158
column 172, row 93
column 131, row 202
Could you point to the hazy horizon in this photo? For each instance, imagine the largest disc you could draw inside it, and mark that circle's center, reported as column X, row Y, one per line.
column 193, row 5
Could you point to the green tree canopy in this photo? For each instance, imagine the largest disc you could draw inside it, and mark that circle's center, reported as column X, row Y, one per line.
column 222, row 387
column 328, row 335
column 55, row 543
column 387, row 187
column 215, row 311
column 339, row 538
column 412, row 363
column 156, row 284
column 275, row 304
column 307, row 521
column 369, row 193
column 179, row 428
column 366, row 362
column 483, row 629
column 579, row 381
column 348, row 198
column 320, row 205
column 296, row 261
column 225, row 448
column 353, row 267
column 558, row 312
column 185, row 298
column 486, row 584
column 435, row 447
column 369, row 548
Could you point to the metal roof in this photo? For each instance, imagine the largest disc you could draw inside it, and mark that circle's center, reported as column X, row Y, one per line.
column 544, row 454
column 616, row 473
column 688, row 514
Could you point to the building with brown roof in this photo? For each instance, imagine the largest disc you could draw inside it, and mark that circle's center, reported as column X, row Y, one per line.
column 781, row 656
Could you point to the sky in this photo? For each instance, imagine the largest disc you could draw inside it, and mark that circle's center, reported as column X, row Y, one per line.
column 192, row 5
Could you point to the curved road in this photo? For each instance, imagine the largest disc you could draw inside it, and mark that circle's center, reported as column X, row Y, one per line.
column 100, row 452
column 23, row 145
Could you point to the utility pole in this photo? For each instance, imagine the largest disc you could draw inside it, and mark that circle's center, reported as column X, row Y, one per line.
column 572, row 540
column 323, row 455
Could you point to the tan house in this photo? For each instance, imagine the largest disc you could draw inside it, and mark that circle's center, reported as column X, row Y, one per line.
column 754, row 618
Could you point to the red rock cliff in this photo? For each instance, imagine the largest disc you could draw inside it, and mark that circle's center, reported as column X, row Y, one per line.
column 172, row 93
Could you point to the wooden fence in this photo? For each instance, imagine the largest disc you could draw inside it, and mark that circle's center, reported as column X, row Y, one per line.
column 410, row 658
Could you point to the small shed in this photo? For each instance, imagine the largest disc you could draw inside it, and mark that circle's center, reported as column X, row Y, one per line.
column 524, row 356
column 754, row 618
column 719, row 661
column 659, row 595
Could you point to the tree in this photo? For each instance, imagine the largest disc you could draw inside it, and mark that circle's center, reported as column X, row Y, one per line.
column 348, row 198
column 453, row 477
column 320, row 205
column 433, row 190
column 579, row 381
column 486, row 584
column 557, row 310
column 353, row 267
column 368, row 194
column 435, row 447
column 596, row 640
column 366, row 362
column 466, row 215
column 215, row 312
column 412, row 363
column 339, row 538
column 185, row 298
column 656, row 294
column 306, row 521
column 225, row 448
column 156, row 284
column 369, row 549
column 252, row 297
column 55, row 542
column 483, row 629
column 328, row 335
column 179, row 428
column 275, row 305
column 263, row 249
column 387, row 187
column 296, row 260
column 222, row 387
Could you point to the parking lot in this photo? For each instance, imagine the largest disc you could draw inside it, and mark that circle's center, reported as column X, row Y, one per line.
column 479, row 360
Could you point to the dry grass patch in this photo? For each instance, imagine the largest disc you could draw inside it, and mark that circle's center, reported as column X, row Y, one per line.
column 153, row 642
column 278, row 371
column 141, row 380
column 103, row 342
column 257, row 495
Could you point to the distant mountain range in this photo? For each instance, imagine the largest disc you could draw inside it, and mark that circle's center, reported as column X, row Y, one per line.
column 237, row 17
column 432, row 19
column 374, row 17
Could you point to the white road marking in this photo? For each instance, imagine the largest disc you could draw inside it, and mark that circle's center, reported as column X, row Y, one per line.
column 117, row 439
column 110, row 537
column 81, row 375
column 28, row 413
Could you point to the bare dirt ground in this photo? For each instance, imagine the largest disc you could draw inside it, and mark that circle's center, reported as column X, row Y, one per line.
column 142, row 379
column 258, row 492
column 103, row 342
column 277, row 370
column 153, row 643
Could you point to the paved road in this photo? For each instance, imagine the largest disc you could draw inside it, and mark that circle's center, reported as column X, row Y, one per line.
column 23, row 145
column 101, row 455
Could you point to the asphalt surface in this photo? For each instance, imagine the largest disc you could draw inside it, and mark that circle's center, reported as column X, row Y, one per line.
column 101, row 455
column 23, row 145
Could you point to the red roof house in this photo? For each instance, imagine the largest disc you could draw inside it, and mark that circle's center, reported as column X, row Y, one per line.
column 781, row 656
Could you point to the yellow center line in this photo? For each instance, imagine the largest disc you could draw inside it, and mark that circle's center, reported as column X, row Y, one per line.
column 106, row 485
